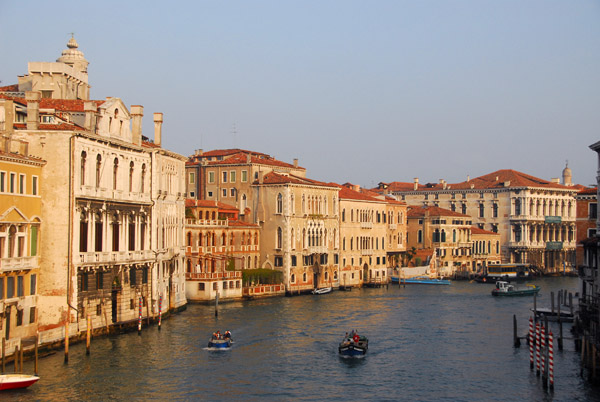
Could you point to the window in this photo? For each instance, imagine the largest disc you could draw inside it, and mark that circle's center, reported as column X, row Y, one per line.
column 201, row 286
column 591, row 232
column 115, row 172
column 1, row 288
column 211, row 177
column 232, row 176
column 21, row 184
column 19, row 317
column 278, row 261
column 98, row 229
column 294, row 261
column 420, row 236
column 2, row 182
column 99, row 280
column 224, row 192
column 192, row 177
column 593, row 210
column 279, row 238
column 279, row 203
column 34, row 185
column 34, row 239
column 82, row 173
column 244, row 176
column 232, row 192
column 464, row 209
column 224, row 178
column 481, row 210
column 132, row 276
column 131, row 166
column 115, row 233
column 20, row 286
column 31, row 315
column 495, row 210
column 32, row 284
column 84, row 281
column 143, row 178
column 98, row 169
column 13, row 178
column 210, row 194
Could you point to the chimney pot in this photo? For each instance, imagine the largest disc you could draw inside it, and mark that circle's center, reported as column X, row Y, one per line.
column 137, row 112
column 295, row 162
column 33, row 109
column 158, row 120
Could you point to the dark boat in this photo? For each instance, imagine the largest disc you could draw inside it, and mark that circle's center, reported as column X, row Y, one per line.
column 218, row 341
column 353, row 345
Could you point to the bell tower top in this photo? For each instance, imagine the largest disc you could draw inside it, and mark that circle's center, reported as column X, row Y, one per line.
column 74, row 57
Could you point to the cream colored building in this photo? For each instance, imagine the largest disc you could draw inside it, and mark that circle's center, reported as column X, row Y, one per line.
column 372, row 232
column 446, row 232
column 300, row 229
column 113, row 207
column 535, row 217
column 486, row 248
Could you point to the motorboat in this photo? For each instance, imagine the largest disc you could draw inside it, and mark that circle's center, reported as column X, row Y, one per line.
column 353, row 345
column 218, row 341
column 322, row 291
column 504, row 288
column 15, row 381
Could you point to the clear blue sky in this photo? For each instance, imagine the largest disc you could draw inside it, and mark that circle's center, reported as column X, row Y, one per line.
column 359, row 91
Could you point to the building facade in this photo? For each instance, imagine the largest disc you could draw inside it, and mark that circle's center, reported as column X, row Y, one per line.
column 587, row 215
column 535, row 217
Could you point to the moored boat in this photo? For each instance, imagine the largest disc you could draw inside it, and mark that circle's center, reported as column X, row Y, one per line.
column 565, row 316
column 15, row 381
column 219, row 341
column 353, row 345
column 504, row 288
column 321, row 291
column 505, row 272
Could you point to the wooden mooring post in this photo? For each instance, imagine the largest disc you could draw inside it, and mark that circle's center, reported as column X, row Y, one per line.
column 217, row 305
column 16, row 358
column 35, row 365
column 67, row 341
column 560, row 326
column 3, row 353
column 516, row 340
column 535, row 308
column 88, row 335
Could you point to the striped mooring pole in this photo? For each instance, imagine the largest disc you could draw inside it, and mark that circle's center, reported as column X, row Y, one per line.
column 531, row 343
column 544, row 375
column 551, row 360
column 159, row 311
column 140, row 319
column 537, row 349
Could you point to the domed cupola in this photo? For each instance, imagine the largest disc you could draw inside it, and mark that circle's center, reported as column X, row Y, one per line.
column 74, row 57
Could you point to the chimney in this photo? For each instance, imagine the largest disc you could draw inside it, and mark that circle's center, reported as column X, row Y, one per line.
column 90, row 109
column 248, row 158
column 416, row 186
column 33, row 110
column 198, row 152
column 5, row 144
column 295, row 162
column 9, row 116
column 23, row 148
column 137, row 112
column 468, row 178
column 158, row 120
column 555, row 180
column 356, row 188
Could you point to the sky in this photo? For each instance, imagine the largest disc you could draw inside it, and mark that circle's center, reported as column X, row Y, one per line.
column 358, row 91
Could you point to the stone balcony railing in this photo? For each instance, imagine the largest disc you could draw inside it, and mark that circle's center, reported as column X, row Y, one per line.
column 393, row 226
column 539, row 244
column 206, row 222
column 316, row 250
column 366, row 252
column 540, row 218
column 366, row 225
column 18, row 263
column 108, row 257
column 213, row 275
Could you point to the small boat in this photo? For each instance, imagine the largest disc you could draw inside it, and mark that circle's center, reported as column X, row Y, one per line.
column 218, row 341
column 421, row 280
column 321, row 291
column 353, row 345
column 15, row 381
column 506, row 289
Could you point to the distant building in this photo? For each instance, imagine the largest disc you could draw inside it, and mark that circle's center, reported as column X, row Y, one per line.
column 218, row 248
column 447, row 233
column 535, row 217
column 486, row 248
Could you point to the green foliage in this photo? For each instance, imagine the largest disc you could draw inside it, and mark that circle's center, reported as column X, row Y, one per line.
column 230, row 265
column 189, row 213
column 261, row 276
column 418, row 261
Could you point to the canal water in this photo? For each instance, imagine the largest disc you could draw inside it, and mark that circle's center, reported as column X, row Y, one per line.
column 426, row 343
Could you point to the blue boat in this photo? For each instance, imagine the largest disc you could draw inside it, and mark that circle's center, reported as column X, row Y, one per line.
column 218, row 341
column 422, row 280
column 353, row 345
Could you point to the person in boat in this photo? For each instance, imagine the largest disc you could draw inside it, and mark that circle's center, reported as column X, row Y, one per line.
column 227, row 335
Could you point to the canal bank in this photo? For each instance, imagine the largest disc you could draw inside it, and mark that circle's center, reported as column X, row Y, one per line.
column 425, row 343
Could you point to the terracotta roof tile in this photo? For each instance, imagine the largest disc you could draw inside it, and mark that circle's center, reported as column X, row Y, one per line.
column 476, row 230
column 276, row 178
column 10, row 88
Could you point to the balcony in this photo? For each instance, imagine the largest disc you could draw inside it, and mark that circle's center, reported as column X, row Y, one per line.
column 393, row 226
column 18, row 263
column 206, row 222
column 316, row 250
column 366, row 225
column 111, row 257
column 213, row 275
column 366, row 252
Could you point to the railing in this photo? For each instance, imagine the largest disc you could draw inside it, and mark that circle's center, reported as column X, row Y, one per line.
column 393, row 226
column 366, row 225
column 114, row 256
column 213, row 275
column 18, row 263
column 366, row 252
column 316, row 250
column 206, row 222
column 263, row 290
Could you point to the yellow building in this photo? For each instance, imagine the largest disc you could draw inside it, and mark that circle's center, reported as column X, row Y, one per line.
column 20, row 218
column 486, row 248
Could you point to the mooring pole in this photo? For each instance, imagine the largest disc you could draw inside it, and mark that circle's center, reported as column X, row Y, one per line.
column 535, row 307
column 516, row 340
column 551, row 361
column 16, row 356
column 37, row 341
column 530, row 338
column 67, row 341
column 140, row 318
column 217, row 305
column 3, row 353
column 560, row 326
column 88, row 335
column 159, row 311
column 552, row 302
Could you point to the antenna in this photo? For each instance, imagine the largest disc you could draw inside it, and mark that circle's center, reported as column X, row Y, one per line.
column 234, row 132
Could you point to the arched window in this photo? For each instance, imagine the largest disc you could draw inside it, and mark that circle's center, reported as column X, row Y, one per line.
column 131, row 176
column 115, row 232
column 189, row 239
column 344, row 215
column 517, row 207
column 453, row 235
column 83, row 161
column 244, row 203
column 464, row 209
column 98, row 169
column 420, row 236
column 303, row 238
column 279, row 203
column 279, row 237
column 115, row 173
column 12, row 235
column 143, row 177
